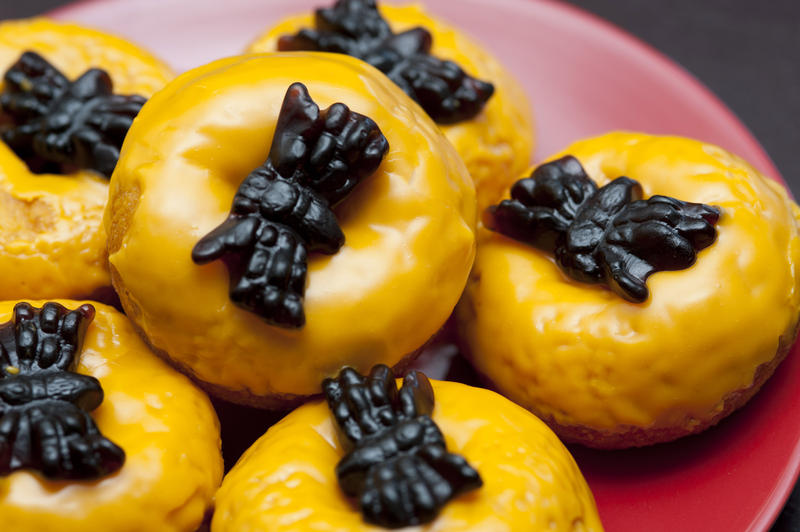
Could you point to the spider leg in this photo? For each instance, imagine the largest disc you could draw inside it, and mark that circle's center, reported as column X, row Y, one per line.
column 272, row 275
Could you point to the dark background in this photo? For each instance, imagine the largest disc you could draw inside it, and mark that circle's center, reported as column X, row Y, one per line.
column 747, row 52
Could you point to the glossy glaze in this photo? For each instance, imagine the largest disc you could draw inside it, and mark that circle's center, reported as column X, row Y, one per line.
column 497, row 144
column 530, row 480
column 408, row 228
column 579, row 355
column 166, row 426
column 53, row 243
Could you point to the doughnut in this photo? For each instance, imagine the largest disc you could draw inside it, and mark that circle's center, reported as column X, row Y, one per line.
column 97, row 432
column 483, row 464
column 246, row 279
column 51, row 208
column 587, row 331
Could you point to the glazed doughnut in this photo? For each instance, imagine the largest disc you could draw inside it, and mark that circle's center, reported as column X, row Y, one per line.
column 496, row 142
column 608, row 371
column 528, row 481
column 408, row 228
column 52, row 243
column 156, row 461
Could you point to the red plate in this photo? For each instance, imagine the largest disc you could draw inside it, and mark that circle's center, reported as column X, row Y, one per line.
column 584, row 77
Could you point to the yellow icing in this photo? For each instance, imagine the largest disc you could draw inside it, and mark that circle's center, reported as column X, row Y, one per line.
column 581, row 355
column 286, row 480
column 497, row 144
column 53, row 243
column 408, row 228
column 73, row 49
column 165, row 425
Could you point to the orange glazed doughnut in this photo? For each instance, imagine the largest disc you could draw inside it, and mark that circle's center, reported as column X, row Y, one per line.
column 610, row 372
column 104, row 437
column 407, row 229
column 53, row 243
column 528, row 481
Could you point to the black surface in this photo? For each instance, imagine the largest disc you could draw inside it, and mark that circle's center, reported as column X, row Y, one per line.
column 747, row 52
